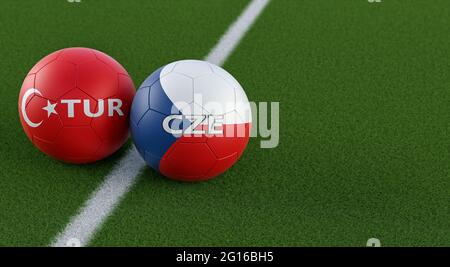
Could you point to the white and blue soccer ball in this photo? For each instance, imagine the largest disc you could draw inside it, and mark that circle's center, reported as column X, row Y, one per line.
column 190, row 120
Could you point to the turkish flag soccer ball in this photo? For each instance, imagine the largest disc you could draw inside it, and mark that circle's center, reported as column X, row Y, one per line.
column 190, row 120
column 74, row 105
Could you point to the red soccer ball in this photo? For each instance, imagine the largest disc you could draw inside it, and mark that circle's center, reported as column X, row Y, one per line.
column 74, row 105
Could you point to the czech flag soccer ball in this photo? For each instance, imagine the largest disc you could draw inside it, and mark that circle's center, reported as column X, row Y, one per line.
column 74, row 105
column 190, row 120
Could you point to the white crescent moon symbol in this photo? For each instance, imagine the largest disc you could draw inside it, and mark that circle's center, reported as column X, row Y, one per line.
column 24, row 102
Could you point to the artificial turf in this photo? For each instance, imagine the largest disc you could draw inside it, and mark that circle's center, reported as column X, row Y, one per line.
column 363, row 91
column 38, row 195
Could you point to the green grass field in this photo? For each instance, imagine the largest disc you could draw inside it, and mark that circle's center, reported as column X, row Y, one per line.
column 364, row 133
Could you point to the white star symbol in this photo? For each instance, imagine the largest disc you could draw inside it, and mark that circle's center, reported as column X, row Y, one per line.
column 50, row 108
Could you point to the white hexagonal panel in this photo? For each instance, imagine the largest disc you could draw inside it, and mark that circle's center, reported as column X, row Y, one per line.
column 214, row 94
column 192, row 68
column 178, row 88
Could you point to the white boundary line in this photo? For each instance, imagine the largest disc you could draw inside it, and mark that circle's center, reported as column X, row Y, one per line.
column 116, row 184
column 235, row 32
